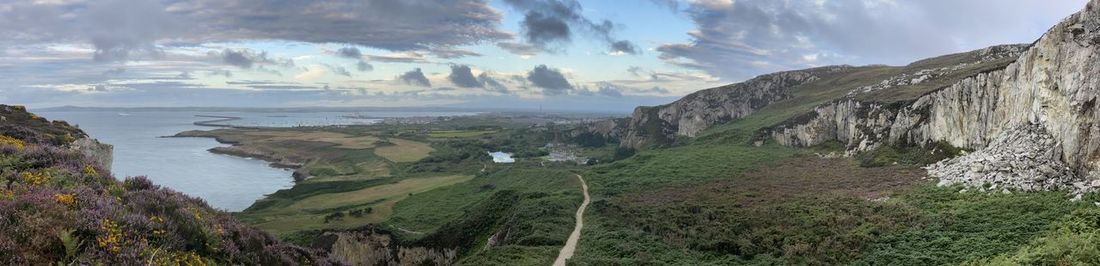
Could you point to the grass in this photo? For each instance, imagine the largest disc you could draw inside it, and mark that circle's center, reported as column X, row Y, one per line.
column 404, row 150
column 425, row 212
column 341, row 140
column 459, row 133
column 718, row 200
column 309, row 213
column 399, row 189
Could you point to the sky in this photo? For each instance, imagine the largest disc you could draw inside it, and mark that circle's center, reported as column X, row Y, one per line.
column 590, row 55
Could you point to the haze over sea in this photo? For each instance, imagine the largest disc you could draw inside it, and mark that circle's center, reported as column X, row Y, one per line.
column 185, row 165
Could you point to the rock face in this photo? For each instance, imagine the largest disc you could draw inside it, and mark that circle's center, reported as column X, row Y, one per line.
column 373, row 246
column 700, row 110
column 1052, row 85
column 1038, row 114
column 102, row 153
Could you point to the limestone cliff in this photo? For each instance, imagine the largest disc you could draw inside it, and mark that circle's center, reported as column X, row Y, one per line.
column 700, row 110
column 1053, row 85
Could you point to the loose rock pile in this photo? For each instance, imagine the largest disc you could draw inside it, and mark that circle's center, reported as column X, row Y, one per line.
column 1026, row 158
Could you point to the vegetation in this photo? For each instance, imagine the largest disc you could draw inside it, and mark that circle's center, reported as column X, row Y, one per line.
column 908, row 155
column 60, row 206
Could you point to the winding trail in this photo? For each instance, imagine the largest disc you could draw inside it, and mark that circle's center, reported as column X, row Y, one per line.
column 571, row 244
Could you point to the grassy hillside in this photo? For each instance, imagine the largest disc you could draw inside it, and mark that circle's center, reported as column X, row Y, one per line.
column 721, row 200
column 59, row 206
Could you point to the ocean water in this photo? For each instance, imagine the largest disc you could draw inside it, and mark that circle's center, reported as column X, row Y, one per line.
column 184, row 164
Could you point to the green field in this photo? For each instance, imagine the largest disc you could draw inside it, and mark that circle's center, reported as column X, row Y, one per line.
column 459, row 133
column 402, row 151
column 309, row 213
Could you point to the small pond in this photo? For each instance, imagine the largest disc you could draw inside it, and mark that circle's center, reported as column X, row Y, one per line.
column 502, row 157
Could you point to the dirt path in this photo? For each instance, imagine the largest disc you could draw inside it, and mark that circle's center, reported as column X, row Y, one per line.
column 571, row 244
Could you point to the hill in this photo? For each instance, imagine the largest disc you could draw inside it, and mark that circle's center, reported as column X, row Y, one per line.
column 827, row 166
column 60, row 204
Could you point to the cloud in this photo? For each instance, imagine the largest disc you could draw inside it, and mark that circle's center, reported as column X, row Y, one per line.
column 393, row 24
column 492, row 84
column 115, row 71
column 462, row 76
column 415, row 77
column 236, row 58
column 311, row 72
column 609, row 91
column 543, row 30
column 740, row 39
column 623, row 47
column 338, row 70
column 120, row 29
column 519, row 48
column 124, row 29
column 220, row 72
column 617, row 90
column 246, row 58
column 452, row 53
column 550, row 80
column 548, row 24
column 349, row 52
column 404, row 57
column 363, row 66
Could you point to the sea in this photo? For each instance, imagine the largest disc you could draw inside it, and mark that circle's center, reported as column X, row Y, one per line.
column 184, row 164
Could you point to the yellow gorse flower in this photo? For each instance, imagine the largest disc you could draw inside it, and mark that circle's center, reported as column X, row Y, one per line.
column 10, row 141
column 113, row 238
column 35, row 179
column 67, row 199
column 90, row 171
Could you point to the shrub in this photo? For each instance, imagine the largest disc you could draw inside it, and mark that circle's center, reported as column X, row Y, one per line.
column 9, row 141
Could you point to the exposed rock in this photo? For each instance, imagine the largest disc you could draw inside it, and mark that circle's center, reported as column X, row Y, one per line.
column 920, row 76
column 700, row 110
column 102, row 153
column 609, row 129
column 1025, row 158
column 1052, row 85
column 373, row 246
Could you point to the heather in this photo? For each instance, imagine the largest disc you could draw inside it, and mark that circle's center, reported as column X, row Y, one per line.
column 59, row 206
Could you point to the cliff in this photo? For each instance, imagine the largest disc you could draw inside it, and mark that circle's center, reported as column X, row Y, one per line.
column 792, row 91
column 700, row 110
column 1050, row 90
column 1045, row 92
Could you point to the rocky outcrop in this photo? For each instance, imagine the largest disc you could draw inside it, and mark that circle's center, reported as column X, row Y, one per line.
column 1051, row 86
column 608, row 129
column 698, row 111
column 373, row 246
column 101, row 153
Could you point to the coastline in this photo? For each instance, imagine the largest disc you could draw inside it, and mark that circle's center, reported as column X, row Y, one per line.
column 237, row 149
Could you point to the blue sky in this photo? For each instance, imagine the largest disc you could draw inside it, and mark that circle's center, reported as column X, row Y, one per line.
column 601, row 55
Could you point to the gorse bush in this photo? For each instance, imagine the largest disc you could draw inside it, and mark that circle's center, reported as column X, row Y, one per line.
column 10, row 141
